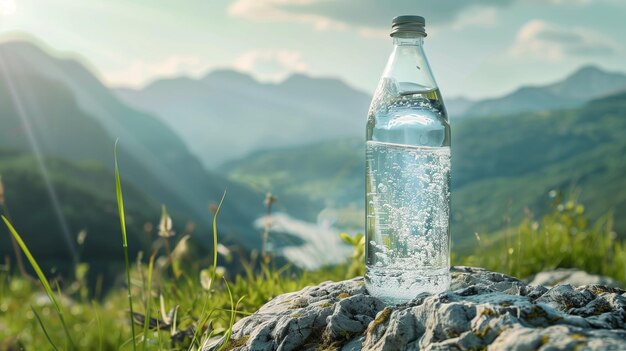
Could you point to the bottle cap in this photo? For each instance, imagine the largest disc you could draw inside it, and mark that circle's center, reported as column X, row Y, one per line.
column 408, row 24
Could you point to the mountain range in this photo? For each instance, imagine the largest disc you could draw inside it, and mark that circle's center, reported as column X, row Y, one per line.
column 587, row 83
column 55, row 109
column 227, row 114
column 210, row 111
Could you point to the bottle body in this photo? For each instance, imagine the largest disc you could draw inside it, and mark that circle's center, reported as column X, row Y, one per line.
column 407, row 181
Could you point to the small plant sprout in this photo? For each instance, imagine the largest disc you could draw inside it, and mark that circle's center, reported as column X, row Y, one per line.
column 166, row 232
column 165, row 225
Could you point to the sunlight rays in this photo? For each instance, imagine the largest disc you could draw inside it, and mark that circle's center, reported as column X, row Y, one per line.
column 7, row 7
column 26, row 124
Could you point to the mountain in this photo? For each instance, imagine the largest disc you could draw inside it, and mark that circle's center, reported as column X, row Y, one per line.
column 211, row 112
column 457, row 107
column 56, row 107
column 208, row 112
column 84, row 197
column 587, row 83
column 500, row 166
column 321, row 174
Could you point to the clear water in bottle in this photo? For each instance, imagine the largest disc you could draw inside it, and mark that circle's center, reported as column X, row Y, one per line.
column 407, row 192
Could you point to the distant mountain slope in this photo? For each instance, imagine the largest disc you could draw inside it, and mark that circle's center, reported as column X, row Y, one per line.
column 500, row 166
column 209, row 113
column 87, row 197
column 585, row 84
column 457, row 107
column 324, row 172
column 72, row 115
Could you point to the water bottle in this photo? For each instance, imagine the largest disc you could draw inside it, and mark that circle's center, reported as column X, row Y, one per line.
column 407, row 175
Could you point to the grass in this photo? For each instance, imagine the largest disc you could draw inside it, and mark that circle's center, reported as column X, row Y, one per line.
column 45, row 284
column 120, row 207
column 562, row 238
column 188, row 314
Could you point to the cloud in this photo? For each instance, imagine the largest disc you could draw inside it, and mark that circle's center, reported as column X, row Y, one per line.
column 271, row 65
column 264, row 64
column 476, row 17
column 365, row 15
column 541, row 40
column 272, row 10
column 566, row 2
column 139, row 72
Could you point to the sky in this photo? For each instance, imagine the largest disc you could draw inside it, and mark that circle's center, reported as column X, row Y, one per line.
column 477, row 49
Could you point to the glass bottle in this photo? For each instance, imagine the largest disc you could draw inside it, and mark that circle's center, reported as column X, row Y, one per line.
column 407, row 175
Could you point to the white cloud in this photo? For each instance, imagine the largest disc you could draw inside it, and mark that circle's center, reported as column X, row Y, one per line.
column 481, row 14
column 373, row 33
column 270, row 10
column 566, row 2
column 541, row 40
column 139, row 72
column 476, row 17
column 263, row 64
column 271, row 65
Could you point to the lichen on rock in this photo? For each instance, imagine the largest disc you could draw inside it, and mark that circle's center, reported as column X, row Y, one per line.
column 482, row 310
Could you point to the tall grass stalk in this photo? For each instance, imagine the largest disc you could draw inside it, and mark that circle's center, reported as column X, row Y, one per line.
column 42, row 279
column 43, row 327
column 204, row 318
column 120, row 207
column 146, row 321
column 99, row 323
column 217, row 211
column 233, row 309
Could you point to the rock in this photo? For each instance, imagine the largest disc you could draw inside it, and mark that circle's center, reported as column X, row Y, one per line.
column 482, row 310
column 574, row 277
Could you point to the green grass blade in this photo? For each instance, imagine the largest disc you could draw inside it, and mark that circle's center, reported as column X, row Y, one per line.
column 120, row 207
column 233, row 309
column 99, row 323
column 204, row 318
column 148, row 299
column 42, row 279
column 43, row 327
column 213, row 270
column 217, row 211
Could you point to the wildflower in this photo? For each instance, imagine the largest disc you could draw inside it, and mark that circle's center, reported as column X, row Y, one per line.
column 165, row 226
column 80, row 238
column 535, row 226
column 224, row 251
column 270, row 199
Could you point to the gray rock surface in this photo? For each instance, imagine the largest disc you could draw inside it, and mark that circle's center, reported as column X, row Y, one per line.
column 574, row 277
column 483, row 310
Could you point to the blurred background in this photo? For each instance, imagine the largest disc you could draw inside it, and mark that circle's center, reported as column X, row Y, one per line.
column 258, row 96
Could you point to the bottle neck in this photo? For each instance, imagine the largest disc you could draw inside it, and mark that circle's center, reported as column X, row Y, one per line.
column 408, row 63
column 408, row 41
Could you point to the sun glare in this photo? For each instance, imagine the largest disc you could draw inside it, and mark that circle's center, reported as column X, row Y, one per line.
column 7, row 7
